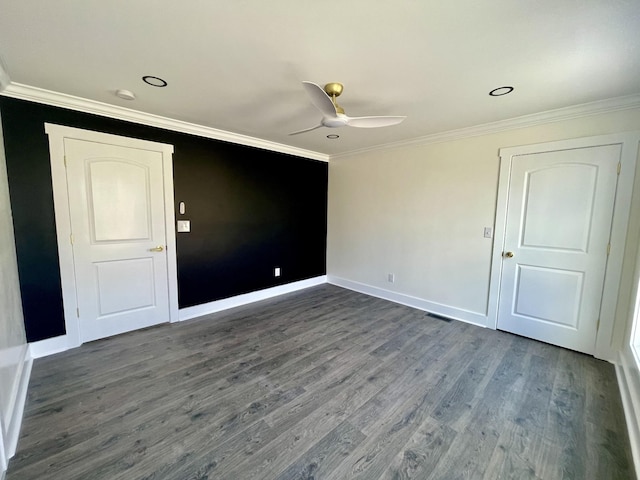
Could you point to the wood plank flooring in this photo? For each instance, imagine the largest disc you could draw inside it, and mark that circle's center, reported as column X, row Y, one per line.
column 321, row 384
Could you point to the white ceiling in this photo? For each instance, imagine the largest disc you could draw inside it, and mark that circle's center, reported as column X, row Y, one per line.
column 237, row 65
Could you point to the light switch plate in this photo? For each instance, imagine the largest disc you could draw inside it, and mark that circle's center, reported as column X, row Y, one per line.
column 184, row 225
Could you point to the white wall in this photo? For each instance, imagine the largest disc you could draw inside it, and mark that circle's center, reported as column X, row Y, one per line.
column 419, row 212
column 13, row 345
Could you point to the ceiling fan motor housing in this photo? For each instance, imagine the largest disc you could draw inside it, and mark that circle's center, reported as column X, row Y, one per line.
column 338, row 121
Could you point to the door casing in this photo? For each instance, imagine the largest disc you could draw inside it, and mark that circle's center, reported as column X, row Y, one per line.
column 57, row 134
column 622, row 207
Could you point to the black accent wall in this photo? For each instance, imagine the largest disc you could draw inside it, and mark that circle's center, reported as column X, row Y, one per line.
column 250, row 210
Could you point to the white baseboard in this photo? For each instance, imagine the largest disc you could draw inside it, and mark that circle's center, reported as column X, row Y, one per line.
column 239, row 300
column 629, row 384
column 415, row 302
column 62, row 343
column 3, row 461
column 16, row 410
column 50, row 346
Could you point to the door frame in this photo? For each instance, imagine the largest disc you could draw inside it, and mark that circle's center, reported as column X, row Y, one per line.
column 57, row 134
column 629, row 141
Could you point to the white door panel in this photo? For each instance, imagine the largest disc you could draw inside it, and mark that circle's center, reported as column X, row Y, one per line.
column 569, row 204
column 559, row 214
column 561, row 290
column 116, row 207
column 116, row 295
column 119, row 200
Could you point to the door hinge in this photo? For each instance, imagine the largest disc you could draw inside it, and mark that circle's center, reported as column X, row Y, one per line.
column 608, row 248
column 598, row 325
column 78, row 313
column 65, row 160
column 619, row 167
column 71, row 238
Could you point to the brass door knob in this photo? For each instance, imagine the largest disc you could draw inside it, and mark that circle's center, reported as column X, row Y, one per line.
column 507, row 254
column 159, row 248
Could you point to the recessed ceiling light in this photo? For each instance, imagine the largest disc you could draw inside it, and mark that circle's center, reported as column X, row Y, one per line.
column 333, row 136
column 125, row 94
column 154, row 81
column 498, row 92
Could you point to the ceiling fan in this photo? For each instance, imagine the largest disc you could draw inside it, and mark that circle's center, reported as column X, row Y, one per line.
column 324, row 99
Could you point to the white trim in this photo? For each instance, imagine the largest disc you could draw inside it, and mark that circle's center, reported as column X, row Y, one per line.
column 499, row 230
column 557, row 115
column 51, row 346
column 239, row 300
column 5, row 81
column 629, row 141
column 62, row 343
column 48, row 97
column 63, row 233
column 633, row 314
column 57, row 134
column 629, row 385
column 609, row 313
column 455, row 313
column 4, row 462
column 16, row 410
column 170, row 225
column 12, row 358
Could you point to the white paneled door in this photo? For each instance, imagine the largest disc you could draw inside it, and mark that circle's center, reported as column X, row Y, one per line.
column 117, row 219
column 558, row 226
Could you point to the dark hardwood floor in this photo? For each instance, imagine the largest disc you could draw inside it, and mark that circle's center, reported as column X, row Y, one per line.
column 321, row 384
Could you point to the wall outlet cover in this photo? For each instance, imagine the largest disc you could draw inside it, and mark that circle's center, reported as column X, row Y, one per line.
column 184, row 226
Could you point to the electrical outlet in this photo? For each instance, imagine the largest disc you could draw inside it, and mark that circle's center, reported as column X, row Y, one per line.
column 488, row 232
column 276, row 272
column 184, row 226
column 391, row 278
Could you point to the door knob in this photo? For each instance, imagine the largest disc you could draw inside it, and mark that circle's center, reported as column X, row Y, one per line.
column 507, row 254
column 159, row 248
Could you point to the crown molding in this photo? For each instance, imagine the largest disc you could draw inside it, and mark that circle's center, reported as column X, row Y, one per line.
column 550, row 116
column 48, row 97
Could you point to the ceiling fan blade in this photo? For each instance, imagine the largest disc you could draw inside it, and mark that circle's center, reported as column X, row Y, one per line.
column 373, row 122
column 306, row 130
column 320, row 99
